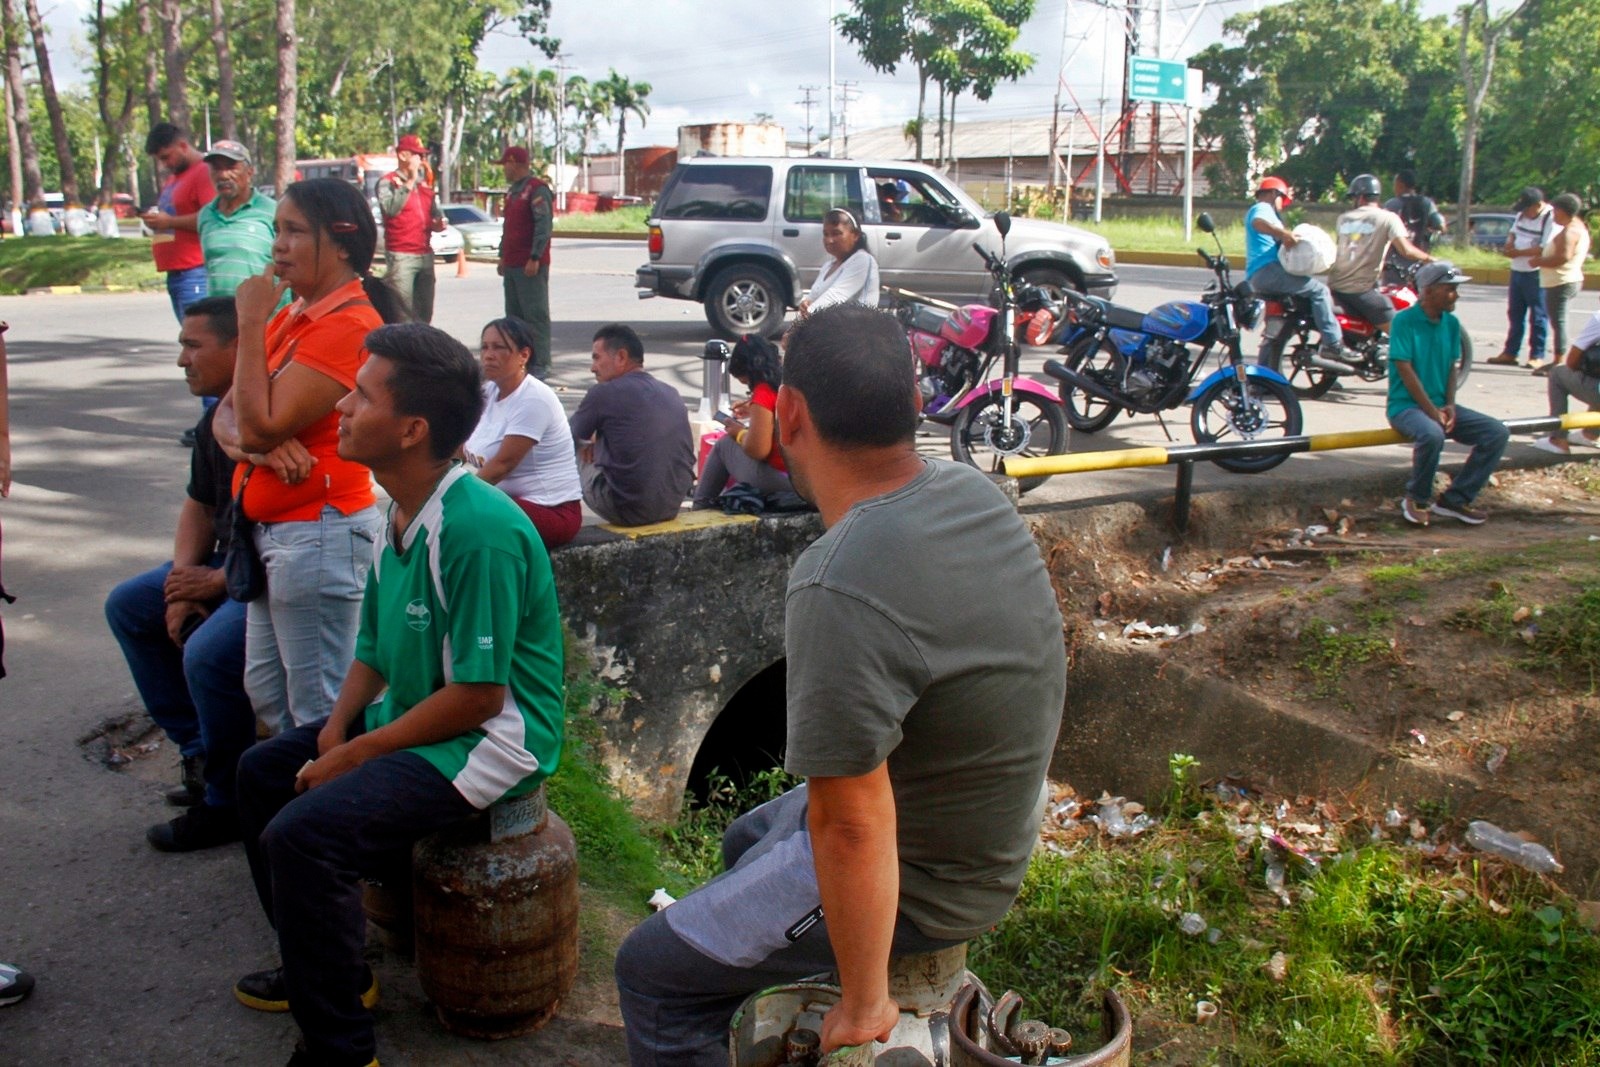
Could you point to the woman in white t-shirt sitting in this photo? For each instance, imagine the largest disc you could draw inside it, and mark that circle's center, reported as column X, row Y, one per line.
column 522, row 443
column 851, row 274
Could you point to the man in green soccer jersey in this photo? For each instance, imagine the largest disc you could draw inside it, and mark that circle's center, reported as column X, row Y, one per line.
column 454, row 700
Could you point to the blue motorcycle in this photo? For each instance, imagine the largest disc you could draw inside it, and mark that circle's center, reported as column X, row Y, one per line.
column 1119, row 359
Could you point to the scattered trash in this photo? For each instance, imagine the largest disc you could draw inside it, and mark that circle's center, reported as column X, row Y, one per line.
column 1521, row 614
column 1166, row 559
column 1487, row 837
column 1456, row 716
column 1277, row 967
column 660, row 899
column 1275, row 881
column 1204, row 1012
column 1393, row 819
column 1118, row 818
column 1418, row 736
column 1192, row 924
column 1316, row 530
column 1497, row 759
column 1143, row 631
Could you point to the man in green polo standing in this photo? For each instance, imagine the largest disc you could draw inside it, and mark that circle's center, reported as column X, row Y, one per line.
column 525, row 252
column 237, row 228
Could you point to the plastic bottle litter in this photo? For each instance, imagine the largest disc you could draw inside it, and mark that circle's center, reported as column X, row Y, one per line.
column 1496, row 760
column 1487, row 837
column 1192, row 924
column 661, row 899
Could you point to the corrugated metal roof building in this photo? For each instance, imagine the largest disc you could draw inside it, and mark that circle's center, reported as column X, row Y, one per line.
column 990, row 150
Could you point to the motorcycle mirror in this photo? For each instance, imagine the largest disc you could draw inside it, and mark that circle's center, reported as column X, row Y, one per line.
column 1002, row 222
column 1205, row 223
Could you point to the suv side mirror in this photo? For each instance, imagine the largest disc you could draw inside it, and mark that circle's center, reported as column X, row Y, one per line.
column 1205, row 223
column 1002, row 222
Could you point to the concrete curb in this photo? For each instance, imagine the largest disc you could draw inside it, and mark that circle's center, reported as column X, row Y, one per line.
column 67, row 290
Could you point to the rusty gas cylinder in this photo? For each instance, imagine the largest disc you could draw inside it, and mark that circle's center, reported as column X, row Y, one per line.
column 496, row 916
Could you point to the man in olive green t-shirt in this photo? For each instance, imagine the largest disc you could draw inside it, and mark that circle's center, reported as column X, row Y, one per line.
column 926, row 679
column 454, row 700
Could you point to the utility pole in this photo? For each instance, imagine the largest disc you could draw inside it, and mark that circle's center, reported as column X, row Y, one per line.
column 561, row 144
column 808, row 103
column 1055, row 108
column 847, row 93
column 832, row 75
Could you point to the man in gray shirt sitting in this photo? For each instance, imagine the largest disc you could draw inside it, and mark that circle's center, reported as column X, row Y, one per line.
column 635, row 450
column 926, row 676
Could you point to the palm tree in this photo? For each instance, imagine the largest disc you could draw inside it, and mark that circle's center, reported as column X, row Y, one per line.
column 589, row 105
column 624, row 96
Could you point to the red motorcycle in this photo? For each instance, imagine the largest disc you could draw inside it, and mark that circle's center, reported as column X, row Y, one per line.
column 1288, row 330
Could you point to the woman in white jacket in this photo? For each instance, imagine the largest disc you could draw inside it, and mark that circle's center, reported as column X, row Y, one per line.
column 851, row 276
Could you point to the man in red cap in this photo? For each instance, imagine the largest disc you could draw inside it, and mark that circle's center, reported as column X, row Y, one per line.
column 1264, row 233
column 525, row 252
column 410, row 211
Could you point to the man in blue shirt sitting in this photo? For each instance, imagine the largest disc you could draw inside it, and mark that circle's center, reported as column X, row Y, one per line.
column 1264, row 232
column 1424, row 348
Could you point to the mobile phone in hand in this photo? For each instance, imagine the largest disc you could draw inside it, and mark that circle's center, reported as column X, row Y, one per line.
column 191, row 623
column 723, row 417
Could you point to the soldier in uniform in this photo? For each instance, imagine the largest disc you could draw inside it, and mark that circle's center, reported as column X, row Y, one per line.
column 525, row 253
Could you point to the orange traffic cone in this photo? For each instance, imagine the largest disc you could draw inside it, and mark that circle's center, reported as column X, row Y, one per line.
column 461, row 262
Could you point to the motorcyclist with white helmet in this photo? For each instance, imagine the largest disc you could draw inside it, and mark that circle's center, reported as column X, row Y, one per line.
column 1366, row 233
column 1264, row 233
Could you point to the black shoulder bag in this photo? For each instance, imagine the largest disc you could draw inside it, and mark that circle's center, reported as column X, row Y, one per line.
column 242, row 570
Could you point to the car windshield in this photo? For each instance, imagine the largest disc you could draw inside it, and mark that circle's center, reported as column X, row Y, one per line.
column 461, row 213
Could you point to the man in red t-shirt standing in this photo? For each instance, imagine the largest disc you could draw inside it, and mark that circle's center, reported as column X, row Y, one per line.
column 525, row 253
column 175, row 218
column 411, row 211
column 175, row 224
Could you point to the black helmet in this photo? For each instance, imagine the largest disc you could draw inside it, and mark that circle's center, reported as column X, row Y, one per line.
column 1364, row 185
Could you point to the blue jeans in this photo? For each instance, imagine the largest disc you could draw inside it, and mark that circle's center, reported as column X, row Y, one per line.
column 1486, row 435
column 1525, row 305
column 185, row 287
column 1272, row 280
column 308, row 853
column 301, row 636
column 194, row 693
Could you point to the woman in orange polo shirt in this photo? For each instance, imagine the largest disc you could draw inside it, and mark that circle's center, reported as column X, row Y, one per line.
column 315, row 514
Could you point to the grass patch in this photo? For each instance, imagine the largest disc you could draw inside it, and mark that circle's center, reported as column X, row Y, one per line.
column 1388, row 961
column 33, row 262
column 693, row 844
column 1562, row 638
column 1328, row 651
column 630, row 219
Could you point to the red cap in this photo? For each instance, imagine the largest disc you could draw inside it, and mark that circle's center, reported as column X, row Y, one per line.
column 1276, row 185
column 515, row 154
column 411, row 143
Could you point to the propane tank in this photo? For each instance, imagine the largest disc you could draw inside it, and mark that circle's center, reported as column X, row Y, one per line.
column 496, row 916
column 776, row 1027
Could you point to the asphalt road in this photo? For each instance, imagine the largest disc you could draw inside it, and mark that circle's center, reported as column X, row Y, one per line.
column 136, row 951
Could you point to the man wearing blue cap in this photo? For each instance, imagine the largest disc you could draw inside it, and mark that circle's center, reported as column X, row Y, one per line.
column 1424, row 348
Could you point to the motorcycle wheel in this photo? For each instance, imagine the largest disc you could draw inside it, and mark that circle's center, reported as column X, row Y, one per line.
column 1268, row 409
column 1037, row 428
column 1307, row 380
column 1085, row 413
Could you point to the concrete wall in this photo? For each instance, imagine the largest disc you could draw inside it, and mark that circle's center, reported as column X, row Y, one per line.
column 682, row 622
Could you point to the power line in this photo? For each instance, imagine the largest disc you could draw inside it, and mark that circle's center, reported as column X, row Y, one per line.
column 808, row 102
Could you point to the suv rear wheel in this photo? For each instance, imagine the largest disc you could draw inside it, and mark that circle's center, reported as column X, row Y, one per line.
column 745, row 298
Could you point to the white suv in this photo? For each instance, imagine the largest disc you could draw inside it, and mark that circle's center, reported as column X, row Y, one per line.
column 744, row 237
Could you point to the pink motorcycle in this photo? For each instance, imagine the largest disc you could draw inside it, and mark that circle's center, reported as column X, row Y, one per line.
column 957, row 348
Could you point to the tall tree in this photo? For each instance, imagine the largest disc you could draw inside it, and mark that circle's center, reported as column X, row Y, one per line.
column 288, row 94
column 624, row 96
column 17, row 97
column 1320, row 90
column 152, row 74
column 224, row 54
column 52, row 103
column 175, row 65
column 1481, row 34
column 115, row 93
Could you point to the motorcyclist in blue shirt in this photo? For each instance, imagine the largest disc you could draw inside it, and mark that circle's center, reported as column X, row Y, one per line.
column 1264, row 233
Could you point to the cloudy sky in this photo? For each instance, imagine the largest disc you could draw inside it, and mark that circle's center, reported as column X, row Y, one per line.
column 728, row 60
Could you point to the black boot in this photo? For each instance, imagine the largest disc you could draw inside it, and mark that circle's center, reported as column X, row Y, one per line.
column 192, row 786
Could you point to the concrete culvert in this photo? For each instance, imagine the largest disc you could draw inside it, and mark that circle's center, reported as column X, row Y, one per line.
column 747, row 737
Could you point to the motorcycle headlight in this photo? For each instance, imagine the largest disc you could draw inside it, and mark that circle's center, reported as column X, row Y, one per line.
column 1248, row 312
